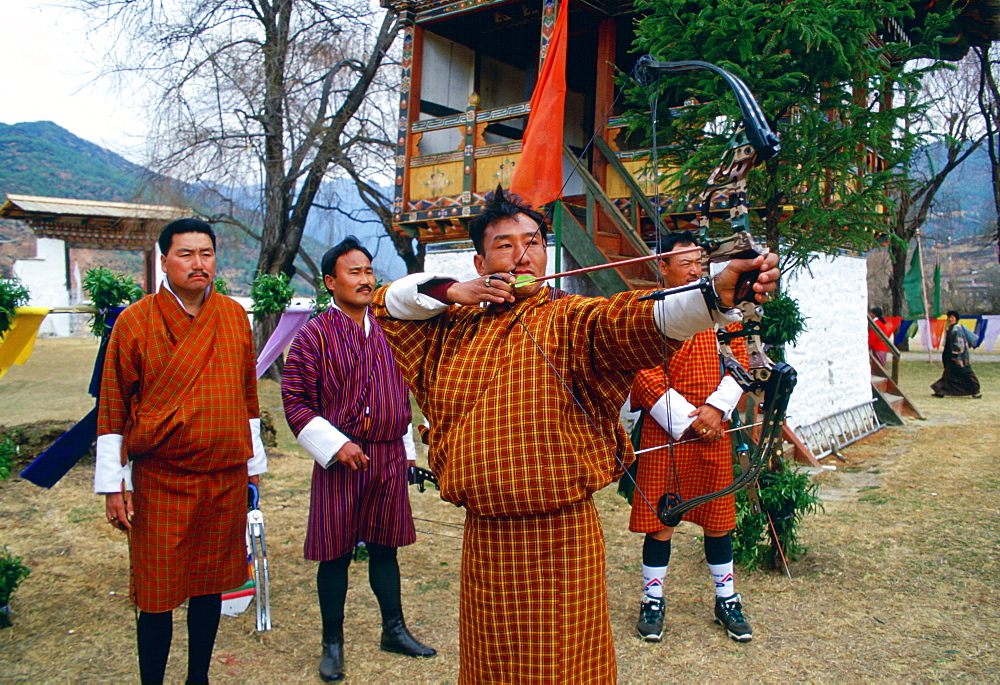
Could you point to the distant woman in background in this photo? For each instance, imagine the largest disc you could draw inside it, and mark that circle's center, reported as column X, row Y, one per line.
column 875, row 344
column 958, row 378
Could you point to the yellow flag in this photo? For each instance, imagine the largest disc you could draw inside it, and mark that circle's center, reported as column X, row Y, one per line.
column 17, row 343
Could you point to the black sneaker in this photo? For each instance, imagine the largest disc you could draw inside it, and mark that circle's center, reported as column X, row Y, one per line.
column 729, row 614
column 650, row 625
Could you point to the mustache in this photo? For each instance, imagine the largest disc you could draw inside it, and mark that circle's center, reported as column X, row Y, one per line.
column 363, row 289
column 198, row 273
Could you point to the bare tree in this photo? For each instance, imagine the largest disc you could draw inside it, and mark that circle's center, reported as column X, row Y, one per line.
column 989, row 108
column 952, row 132
column 259, row 102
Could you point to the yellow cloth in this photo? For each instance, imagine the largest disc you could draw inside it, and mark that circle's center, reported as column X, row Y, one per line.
column 17, row 344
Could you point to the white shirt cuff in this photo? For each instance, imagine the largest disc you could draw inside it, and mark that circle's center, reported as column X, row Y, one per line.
column 403, row 300
column 411, row 449
column 682, row 315
column 676, row 420
column 108, row 470
column 321, row 440
column 726, row 396
column 258, row 462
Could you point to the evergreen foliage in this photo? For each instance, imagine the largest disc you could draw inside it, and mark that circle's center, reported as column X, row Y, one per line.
column 781, row 324
column 820, row 70
column 8, row 451
column 271, row 293
column 108, row 289
column 787, row 496
column 13, row 294
column 12, row 572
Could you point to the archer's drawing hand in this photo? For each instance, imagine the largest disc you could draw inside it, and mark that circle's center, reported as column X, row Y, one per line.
column 767, row 280
column 118, row 509
column 487, row 288
column 352, row 456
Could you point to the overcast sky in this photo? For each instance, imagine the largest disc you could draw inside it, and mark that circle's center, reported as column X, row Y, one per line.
column 49, row 70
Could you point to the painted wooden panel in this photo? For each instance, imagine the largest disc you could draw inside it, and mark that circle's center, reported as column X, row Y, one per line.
column 435, row 181
column 493, row 170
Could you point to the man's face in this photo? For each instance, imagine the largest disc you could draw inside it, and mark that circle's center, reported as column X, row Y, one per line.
column 189, row 263
column 680, row 269
column 352, row 282
column 514, row 245
column 952, row 320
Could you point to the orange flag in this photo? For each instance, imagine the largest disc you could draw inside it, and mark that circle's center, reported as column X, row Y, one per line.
column 538, row 175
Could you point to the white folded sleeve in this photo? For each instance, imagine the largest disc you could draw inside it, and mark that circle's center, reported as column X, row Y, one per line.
column 404, row 301
column 682, row 315
column 258, row 462
column 411, row 449
column 726, row 396
column 321, row 440
column 672, row 415
column 108, row 470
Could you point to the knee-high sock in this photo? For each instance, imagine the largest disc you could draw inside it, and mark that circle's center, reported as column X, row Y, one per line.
column 203, row 616
column 331, row 585
column 383, row 575
column 153, row 633
column 719, row 555
column 655, row 560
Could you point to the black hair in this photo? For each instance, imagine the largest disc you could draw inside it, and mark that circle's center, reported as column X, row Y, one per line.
column 329, row 264
column 877, row 312
column 952, row 312
column 183, row 226
column 500, row 205
column 675, row 238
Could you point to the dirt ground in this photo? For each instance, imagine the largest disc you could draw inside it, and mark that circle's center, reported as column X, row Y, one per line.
column 899, row 582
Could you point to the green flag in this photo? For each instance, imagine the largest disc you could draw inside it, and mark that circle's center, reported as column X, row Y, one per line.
column 937, row 290
column 912, row 285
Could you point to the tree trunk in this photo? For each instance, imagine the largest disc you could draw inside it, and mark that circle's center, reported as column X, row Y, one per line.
column 897, row 254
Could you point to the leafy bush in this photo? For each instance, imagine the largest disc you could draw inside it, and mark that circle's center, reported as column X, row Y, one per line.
column 8, row 451
column 781, row 324
column 322, row 302
column 220, row 286
column 108, row 289
column 13, row 294
column 12, row 572
column 271, row 294
column 787, row 495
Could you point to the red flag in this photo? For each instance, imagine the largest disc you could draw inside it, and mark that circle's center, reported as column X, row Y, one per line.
column 538, row 176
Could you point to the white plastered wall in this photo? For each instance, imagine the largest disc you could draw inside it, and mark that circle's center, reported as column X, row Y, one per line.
column 45, row 278
column 831, row 357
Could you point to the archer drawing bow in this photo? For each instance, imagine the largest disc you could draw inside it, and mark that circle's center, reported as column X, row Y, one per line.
column 767, row 385
column 258, row 548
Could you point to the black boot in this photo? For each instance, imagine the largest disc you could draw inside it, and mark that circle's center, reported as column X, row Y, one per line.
column 396, row 638
column 331, row 666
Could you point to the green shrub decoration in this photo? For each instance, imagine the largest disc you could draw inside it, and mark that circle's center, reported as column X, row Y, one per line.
column 321, row 303
column 108, row 289
column 8, row 452
column 781, row 324
column 787, row 495
column 12, row 572
column 271, row 294
column 13, row 294
column 220, row 286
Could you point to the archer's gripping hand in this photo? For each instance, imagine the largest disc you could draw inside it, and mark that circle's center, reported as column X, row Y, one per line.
column 727, row 283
